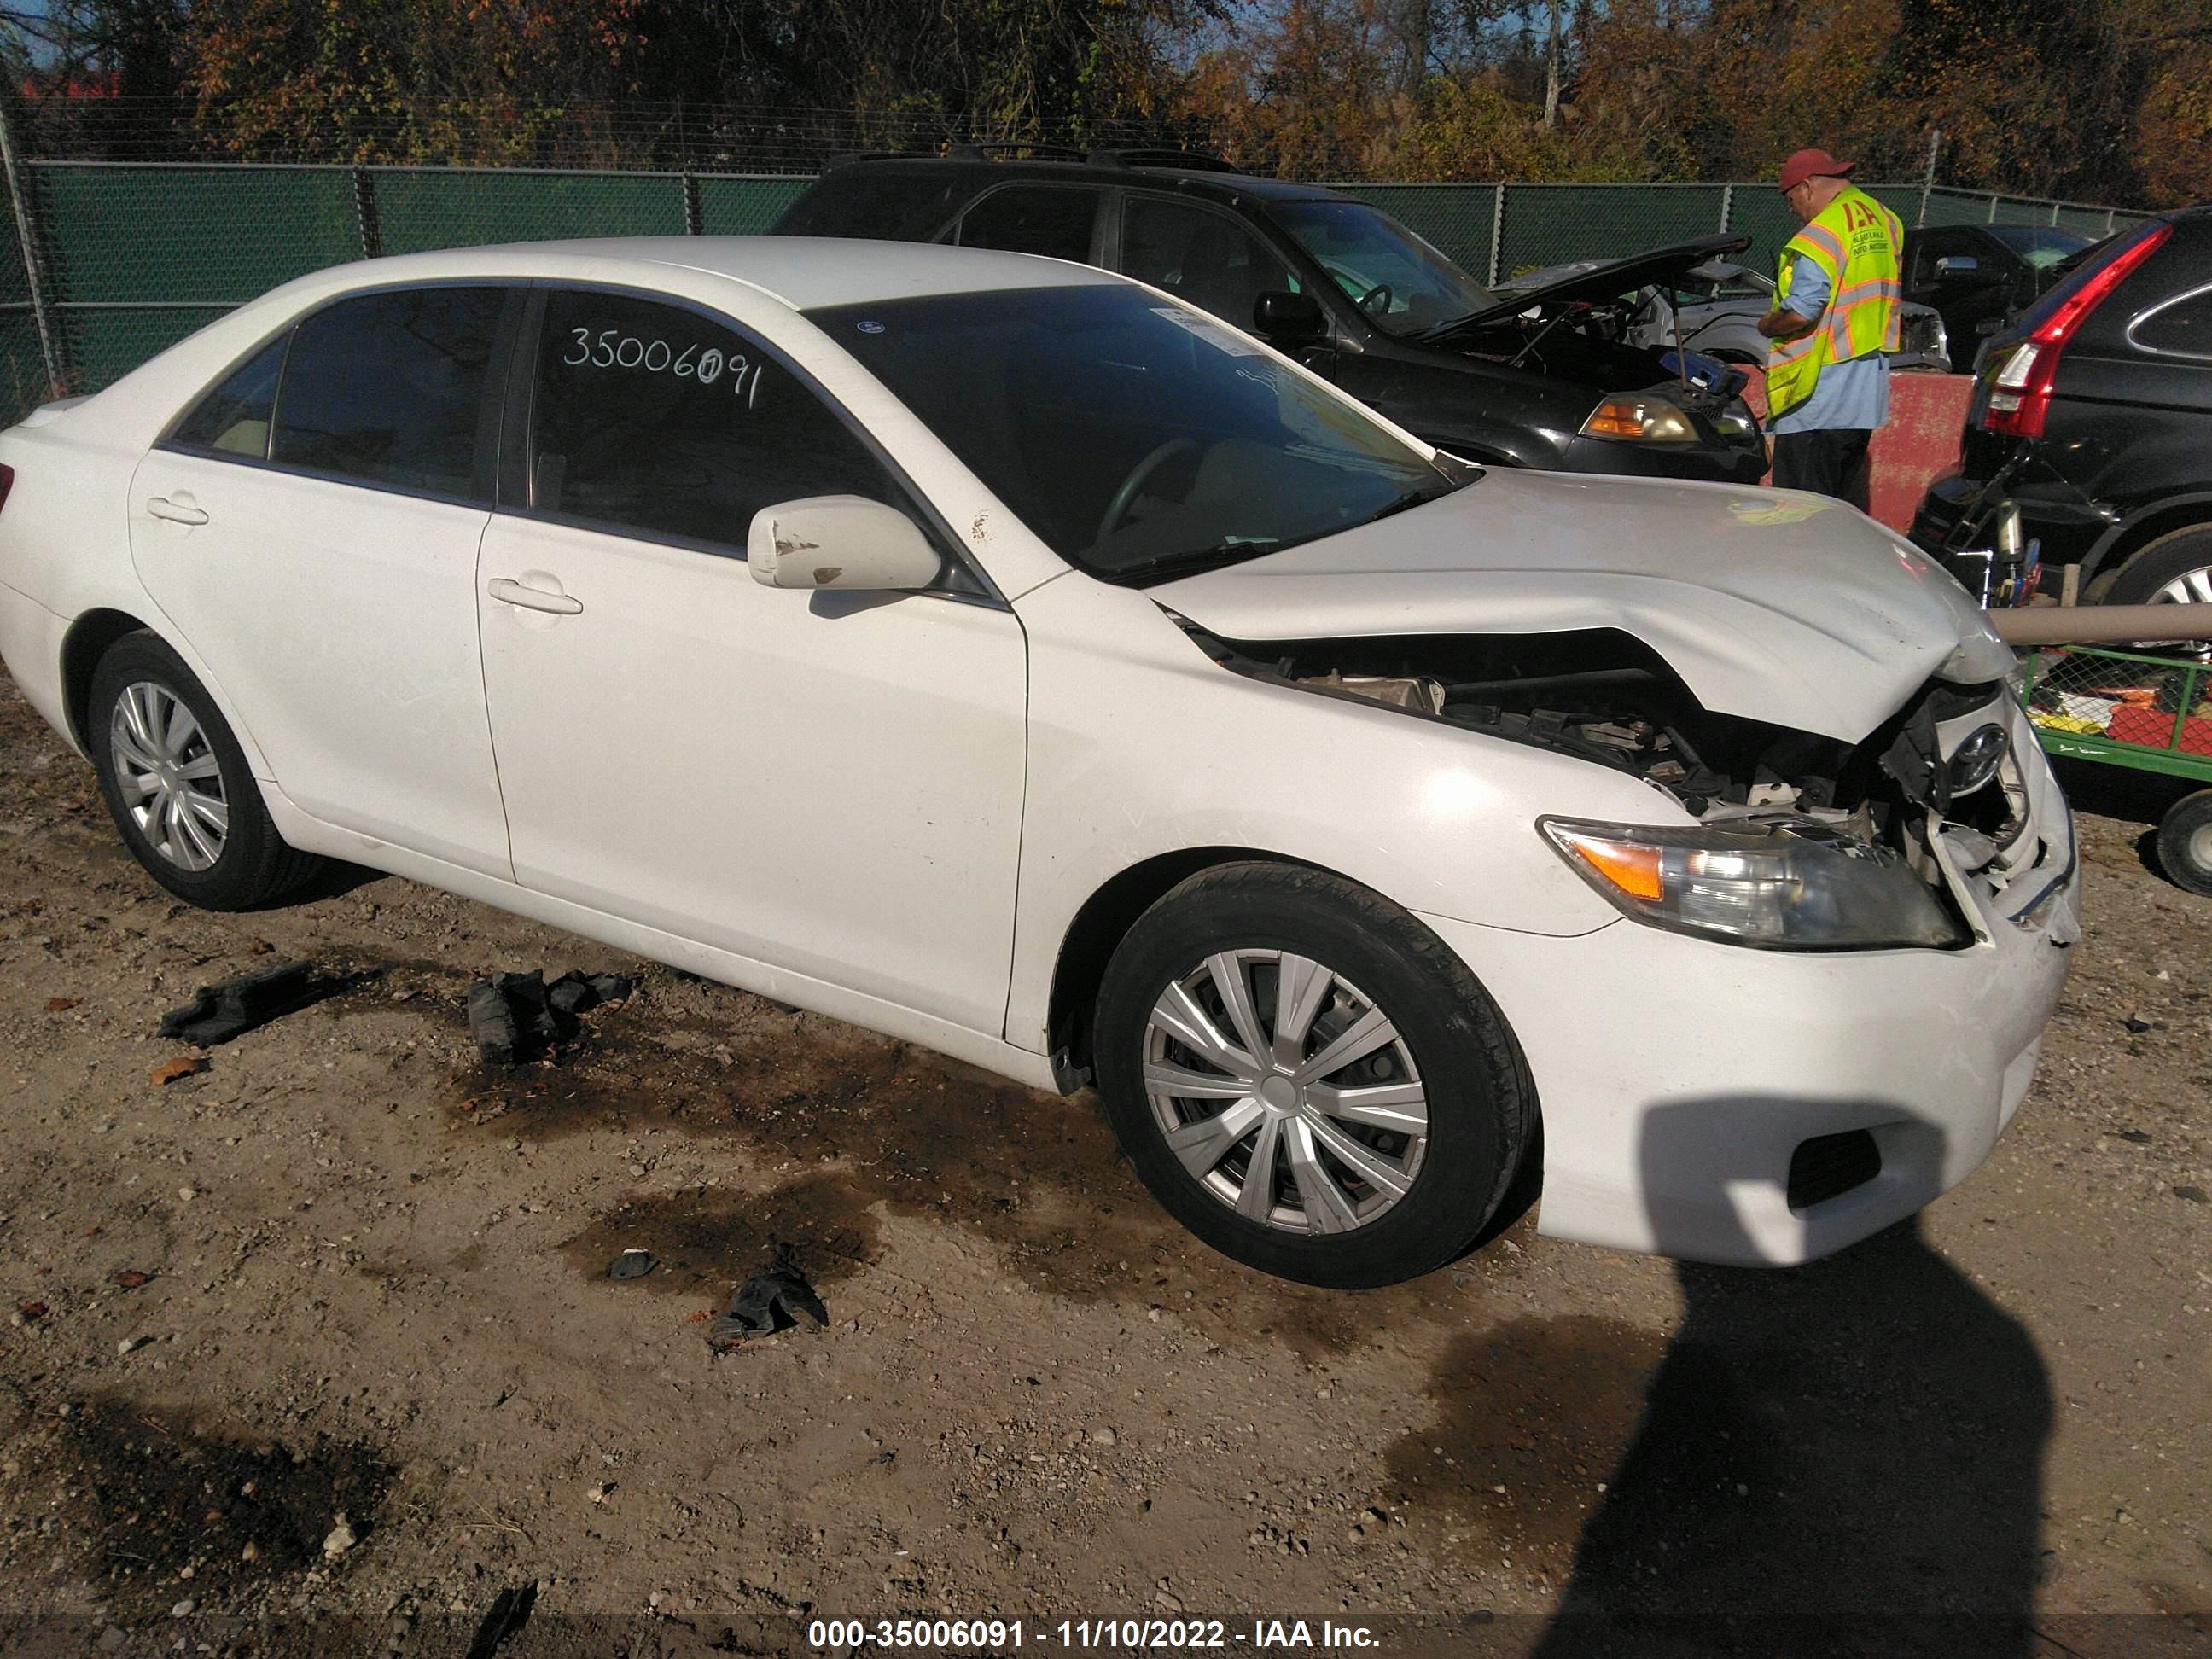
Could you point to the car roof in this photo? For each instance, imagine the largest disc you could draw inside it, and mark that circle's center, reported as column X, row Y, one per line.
column 803, row 272
column 1223, row 186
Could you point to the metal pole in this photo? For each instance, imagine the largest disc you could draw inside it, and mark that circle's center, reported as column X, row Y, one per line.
column 692, row 216
column 1993, row 207
column 1728, row 206
column 1497, row 231
column 1927, row 175
column 35, row 269
column 365, row 217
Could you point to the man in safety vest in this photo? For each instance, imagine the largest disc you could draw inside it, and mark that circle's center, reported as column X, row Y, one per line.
column 1835, row 315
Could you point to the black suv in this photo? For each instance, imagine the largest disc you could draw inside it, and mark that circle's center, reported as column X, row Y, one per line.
column 1976, row 277
column 1545, row 377
column 2093, row 413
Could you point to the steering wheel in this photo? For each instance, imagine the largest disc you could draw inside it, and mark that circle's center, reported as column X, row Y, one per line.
column 1377, row 300
column 1125, row 497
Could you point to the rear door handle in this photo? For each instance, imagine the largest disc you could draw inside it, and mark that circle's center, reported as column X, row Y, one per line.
column 181, row 511
column 507, row 591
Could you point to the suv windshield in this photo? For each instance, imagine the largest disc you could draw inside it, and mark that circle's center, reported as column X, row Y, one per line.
column 1400, row 283
column 1140, row 440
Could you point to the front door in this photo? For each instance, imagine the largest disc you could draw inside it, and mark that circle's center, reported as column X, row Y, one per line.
column 312, row 527
column 830, row 783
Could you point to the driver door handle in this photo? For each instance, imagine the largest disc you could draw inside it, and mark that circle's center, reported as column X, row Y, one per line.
column 161, row 507
column 507, row 591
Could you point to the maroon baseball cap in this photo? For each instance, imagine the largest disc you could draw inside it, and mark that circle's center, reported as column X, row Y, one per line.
column 1811, row 164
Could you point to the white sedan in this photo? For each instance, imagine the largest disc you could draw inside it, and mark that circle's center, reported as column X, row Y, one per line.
column 996, row 654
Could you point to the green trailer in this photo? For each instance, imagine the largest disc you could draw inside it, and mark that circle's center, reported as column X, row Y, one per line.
column 2126, row 707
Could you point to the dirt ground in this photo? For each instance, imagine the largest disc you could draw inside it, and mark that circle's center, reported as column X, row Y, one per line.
column 340, row 1271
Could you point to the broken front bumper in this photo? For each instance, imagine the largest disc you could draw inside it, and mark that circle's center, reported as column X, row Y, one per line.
column 1681, row 1079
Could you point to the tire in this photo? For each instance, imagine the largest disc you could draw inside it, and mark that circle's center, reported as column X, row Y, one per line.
column 2181, row 560
column 209, row 803
column 1476, row 1108
column 2185, row 843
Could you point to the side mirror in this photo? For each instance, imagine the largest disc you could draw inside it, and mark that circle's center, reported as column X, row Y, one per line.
column 1288, row 318
column 839, row 541
column 1954, row 267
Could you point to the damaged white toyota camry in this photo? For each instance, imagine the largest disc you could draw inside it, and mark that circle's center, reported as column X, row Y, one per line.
column 998, row 654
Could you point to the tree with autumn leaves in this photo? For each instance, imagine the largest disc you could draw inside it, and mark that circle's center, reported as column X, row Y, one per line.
column 2094, row 100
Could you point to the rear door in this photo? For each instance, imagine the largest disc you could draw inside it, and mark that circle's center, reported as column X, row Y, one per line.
column 830, row 783
column 311, row 528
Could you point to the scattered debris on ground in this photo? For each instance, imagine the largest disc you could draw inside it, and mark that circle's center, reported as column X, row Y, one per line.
column 766, row 1304
column 177, row 1070
column 516, row 1018
column 217, row 1013
column 632, row 1264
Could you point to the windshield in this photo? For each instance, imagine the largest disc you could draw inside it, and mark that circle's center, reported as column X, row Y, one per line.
column 2041, row 247
column 1400, row 283
column 1140, row 440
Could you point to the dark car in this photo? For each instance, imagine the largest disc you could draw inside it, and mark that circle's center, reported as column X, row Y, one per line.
column 2093, row 414
column 1544, row 377
column 1977, row 276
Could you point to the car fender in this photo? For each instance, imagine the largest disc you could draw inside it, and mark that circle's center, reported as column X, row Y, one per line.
column 2145, row 524
column 1190, row 754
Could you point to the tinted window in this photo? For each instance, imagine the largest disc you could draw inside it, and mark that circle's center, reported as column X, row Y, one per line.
column 1201, row 256
column 2042, row 247
column 1403, row 285
column 1048, row 219
column 388, row 389
column 1139, row 438
column 896, row 203
column 650, row 417
column 233, row 418
column 2181, row 327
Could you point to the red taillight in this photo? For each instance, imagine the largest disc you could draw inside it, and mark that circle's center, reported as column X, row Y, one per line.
column 2020, row 395
column 7, row 483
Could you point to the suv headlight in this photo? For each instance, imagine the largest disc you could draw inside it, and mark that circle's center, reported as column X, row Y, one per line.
column 1642, row 419
column 1799, row 886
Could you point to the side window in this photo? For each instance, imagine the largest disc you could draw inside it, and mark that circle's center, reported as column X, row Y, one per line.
column 2181, row 327
column 1201, row 256
column 388, row 389
column 233, row 419
column 1049, row 219
column 650, row 417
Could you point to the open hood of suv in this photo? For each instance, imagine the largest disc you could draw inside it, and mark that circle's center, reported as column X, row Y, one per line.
column 1607, row 278
column 1782, row 607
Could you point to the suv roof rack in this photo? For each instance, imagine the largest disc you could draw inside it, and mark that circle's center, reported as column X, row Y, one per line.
column 980, row 152
column 1196, row 161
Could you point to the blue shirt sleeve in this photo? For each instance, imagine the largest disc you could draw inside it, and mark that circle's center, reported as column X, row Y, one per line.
column 1808, row 289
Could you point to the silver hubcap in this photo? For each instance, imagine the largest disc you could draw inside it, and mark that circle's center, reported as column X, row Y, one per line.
column 2193, row 587
column 1286, row 1092
column 171, row 784
column 2200, row 847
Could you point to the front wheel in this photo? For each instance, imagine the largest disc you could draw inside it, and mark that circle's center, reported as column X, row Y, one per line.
column 178, row 786
column 1307, row 1078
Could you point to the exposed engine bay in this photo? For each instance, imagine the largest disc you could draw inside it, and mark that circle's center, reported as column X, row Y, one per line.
column 1591, row 342
column 1605, row 698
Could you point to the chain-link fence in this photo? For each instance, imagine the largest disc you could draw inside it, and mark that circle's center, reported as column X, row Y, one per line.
column 130, row 257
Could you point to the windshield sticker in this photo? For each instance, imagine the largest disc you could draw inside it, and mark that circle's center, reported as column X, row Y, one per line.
column 612, row 349
column 1218, row 335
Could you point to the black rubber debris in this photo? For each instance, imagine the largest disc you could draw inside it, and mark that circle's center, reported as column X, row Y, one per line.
column 765, row 1304
column 217, row 1013
column 509, row 1613
column 518, row 1017
column 632, row 1264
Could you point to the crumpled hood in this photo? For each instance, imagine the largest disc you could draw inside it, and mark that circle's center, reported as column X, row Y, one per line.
column 1774, row 605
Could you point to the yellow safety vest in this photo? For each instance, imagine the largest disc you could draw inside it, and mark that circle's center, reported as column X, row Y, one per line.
column 1856, row 242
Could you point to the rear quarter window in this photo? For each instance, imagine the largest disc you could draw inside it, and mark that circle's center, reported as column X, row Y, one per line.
column 2179, row 327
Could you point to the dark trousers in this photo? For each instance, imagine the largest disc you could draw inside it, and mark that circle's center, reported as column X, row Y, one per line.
column 1827, row 463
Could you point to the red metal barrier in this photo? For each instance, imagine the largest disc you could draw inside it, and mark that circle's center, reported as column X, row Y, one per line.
column 1919, row 445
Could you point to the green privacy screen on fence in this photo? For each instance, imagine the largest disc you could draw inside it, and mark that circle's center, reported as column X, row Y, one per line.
column 136, row 256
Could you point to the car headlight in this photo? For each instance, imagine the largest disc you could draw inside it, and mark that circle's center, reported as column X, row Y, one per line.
column 1793, row 886
column 1641, row 419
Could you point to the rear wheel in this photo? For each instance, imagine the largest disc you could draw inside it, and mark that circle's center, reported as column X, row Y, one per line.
column 2175, row 570
column 178, row 786
column 1307, row 1078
